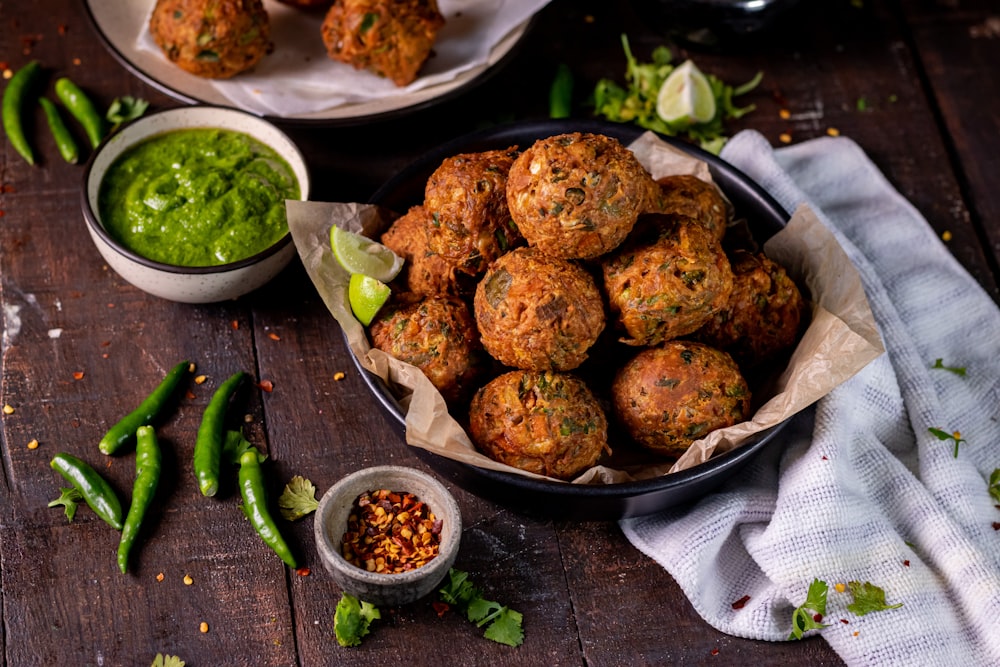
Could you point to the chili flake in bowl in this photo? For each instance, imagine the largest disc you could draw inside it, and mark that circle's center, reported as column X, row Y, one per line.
column 388, row 534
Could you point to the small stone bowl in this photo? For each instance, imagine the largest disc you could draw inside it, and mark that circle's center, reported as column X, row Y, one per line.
column 184, row 284
column 386, row 589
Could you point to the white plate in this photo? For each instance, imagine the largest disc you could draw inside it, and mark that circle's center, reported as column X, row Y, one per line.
column 120, row 22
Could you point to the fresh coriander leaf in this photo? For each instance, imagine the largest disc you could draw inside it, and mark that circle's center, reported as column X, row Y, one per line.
column 957, row 370
column 868, row 598
column 167, row 661
column 506, row 628
column 994, row 486
column 809, row 615
column 352, row 619
column 69, row 498
column 944, row 435
column 298, row 499
column 482, row 611
column 862, row 104
column 124, row 109
column 235, row 445
column 459, row 590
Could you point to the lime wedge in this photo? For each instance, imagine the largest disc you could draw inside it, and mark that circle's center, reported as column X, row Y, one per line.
column 686, row 95
column 366, row 296
column 359, row 254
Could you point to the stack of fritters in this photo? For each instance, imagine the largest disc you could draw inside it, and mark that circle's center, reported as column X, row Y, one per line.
column 549, row 248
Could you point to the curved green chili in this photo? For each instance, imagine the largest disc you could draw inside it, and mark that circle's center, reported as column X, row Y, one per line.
column 255, row 506
column 13, row 108
column 64, row 140
column 124, row 430
column 82, row 109
column 211, row 432
column 147, row 476
column 95, row 489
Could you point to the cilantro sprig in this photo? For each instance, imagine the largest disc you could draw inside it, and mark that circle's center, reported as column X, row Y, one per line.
column 352, row 618
column 868, row 598
column 503, row 624
column 809, row 615
column 162, row 660
column 298, row 499
column 994, row 485
column 69, row 498
column 635, row 102
column 957, row 370
column 124, row 109
column 941, row 434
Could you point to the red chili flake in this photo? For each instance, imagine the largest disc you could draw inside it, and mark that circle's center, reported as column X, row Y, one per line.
column 715, row 651
column 818, row 618
column 4, row 65
column 8, row 188
column 906, row 563
column 105, row 343
column 266, row 385
column 105, row 355
column 742, row 602
column 62, row 29
column 111, row 305
column 441, row 608
column 845, row 621
column 235, row 324
column 996, row 525
column 78, row 375
column 824, row 458
column 3, row 213
column 303, row 571
column 273, row 336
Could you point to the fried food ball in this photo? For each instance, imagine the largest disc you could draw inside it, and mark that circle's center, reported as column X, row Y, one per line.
column 538, row 312
column 577, row 195
column 392, row 38
column 466, row 196
column 669, row 396
column 540, row 421
column 424, row 272
column 691, row 197
column 438, row 336
column 666, row 280
column 216, row 39
column 763, row 315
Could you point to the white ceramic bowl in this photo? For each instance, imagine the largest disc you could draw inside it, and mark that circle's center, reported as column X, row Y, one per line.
column 180, row 283
column 386, row 589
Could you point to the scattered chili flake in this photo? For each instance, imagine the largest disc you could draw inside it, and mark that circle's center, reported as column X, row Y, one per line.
column 303, row 571
column 845, row 621
column 160, row 577
column 906, row 563
column 235, row 324
column 200, row 379
column 390, row 532
column 818, row 618
column 715, row 651
column 742, row 602
column 188, row 580
column 824, row 458
column 8, row 409
column 785, row 138
column 833, row 132
column 857, row 632
column 266, row 385
column 440, row 607
column 338, row 376
column 840, row 588
column 111, row 305
column 7, row 72
column 33, row 444
column 946, row 236
column 105, row 343
column 78, row 375
column 785, row 114
column 273, row 336
column 203, row 627
column 61, row 29
column 189, row 394
column 77, row 61
column 996, row 525
column 105, row 356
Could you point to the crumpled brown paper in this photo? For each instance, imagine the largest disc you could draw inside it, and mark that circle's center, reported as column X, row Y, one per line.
column 841, row 338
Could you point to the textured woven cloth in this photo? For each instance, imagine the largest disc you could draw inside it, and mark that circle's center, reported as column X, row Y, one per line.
column 859, row 489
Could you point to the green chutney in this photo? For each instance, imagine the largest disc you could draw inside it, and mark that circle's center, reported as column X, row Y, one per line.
column 197, row 197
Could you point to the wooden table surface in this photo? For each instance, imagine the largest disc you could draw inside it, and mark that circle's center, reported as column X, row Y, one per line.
column 80, row 346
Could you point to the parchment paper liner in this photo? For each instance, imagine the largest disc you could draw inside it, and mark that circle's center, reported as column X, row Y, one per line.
column 841, row 338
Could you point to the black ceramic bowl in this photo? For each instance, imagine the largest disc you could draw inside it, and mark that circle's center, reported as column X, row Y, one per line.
column 559, row 499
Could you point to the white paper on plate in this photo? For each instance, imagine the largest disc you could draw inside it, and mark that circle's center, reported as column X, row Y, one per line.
column 300, row 78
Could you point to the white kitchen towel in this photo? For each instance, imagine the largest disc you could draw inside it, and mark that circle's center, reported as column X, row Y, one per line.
column 859, row 489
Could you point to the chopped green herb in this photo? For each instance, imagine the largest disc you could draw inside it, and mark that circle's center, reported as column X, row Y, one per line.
column 503, row 624
column 124, row 109
column 868, row 598
column 298, row 499
column 994, row 487
column 944, row 435
column 809, row 615
column 69, row 499
column 352, row 619
column 167, row 661
column 235, row 445
column 957, row 370
column 862, row 104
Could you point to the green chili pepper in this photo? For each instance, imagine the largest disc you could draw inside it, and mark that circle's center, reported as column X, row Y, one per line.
column 95, row 489
column 147, row 476
column 64, row 140
column 211, row 432
column 82, row 109
column 13, row 108
column 561, row 93
column 255, row 506
column 151, row 406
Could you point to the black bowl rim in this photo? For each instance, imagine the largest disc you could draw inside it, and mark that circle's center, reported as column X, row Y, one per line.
column 90, row 215
column 661, row 487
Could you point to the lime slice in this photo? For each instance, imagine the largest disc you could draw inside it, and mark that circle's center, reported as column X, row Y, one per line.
column 366, row 295
column 686, row 95
column 359, row 254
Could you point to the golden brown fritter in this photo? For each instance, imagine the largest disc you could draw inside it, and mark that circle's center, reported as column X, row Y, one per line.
column 466, row 197
column 392, row 38
column 538, row 312
column 763, row 315
column 577, row 195
column 438, row 336
column 216, row 39
column 666, row 280
column 543, row 422
column 669, row 396
column 424, row 272
column 691, row 197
